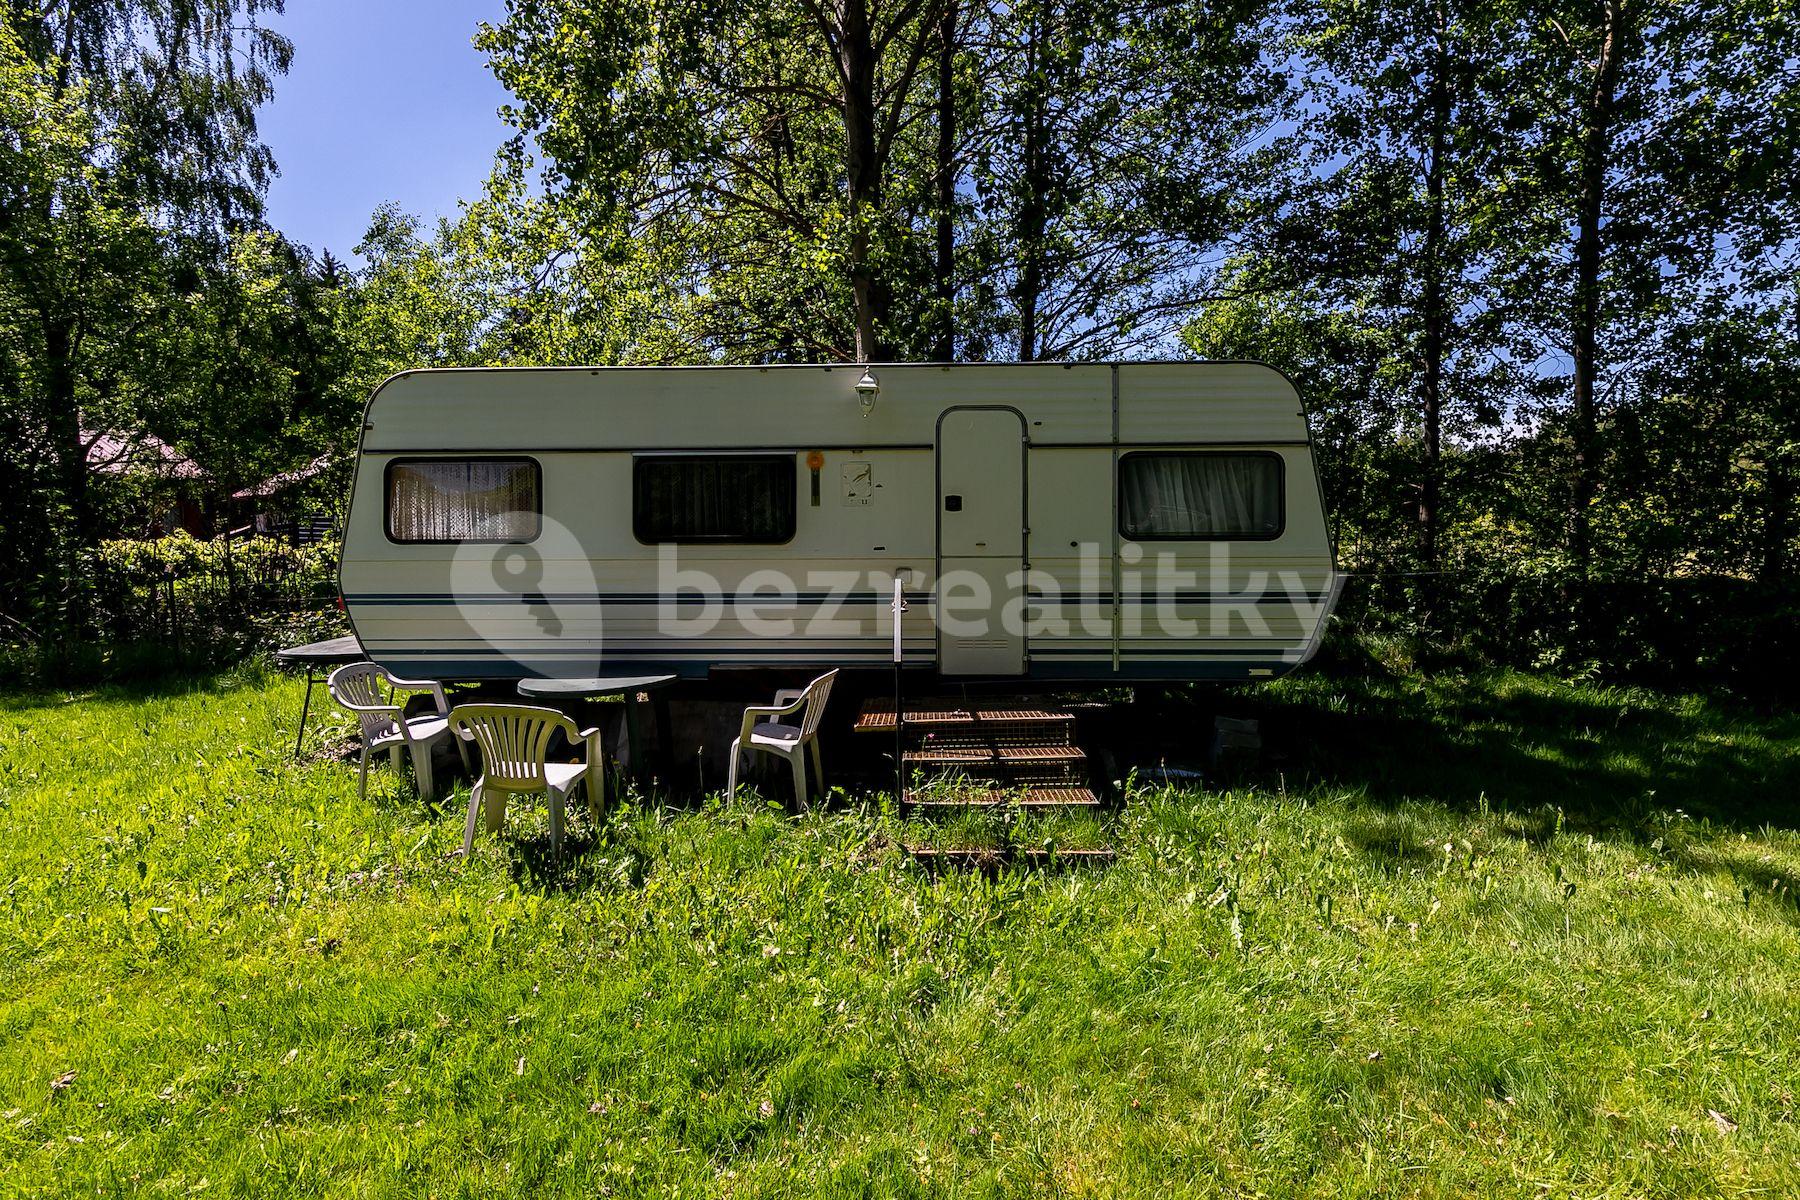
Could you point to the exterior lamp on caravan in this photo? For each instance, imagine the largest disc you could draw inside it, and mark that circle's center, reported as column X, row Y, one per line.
column 867, row 388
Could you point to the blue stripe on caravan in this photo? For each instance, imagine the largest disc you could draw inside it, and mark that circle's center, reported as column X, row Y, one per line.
column 1272, row 596
column 870, row 644
column 1063, row 672
column 768, row 598
column 1193, row 669
column 686, row 597
column 880, row 653
column 1247, row 653
column 506, row 668
column 815, row 654
column 527, row 666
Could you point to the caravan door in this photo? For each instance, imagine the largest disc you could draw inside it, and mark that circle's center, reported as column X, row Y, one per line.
column 981, row 541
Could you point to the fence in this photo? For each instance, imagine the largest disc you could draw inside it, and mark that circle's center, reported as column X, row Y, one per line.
column 137, row 607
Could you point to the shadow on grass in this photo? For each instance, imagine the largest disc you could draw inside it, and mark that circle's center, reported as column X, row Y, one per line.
column 171, row 685
column 531, row 865
column 609, row 858
column 1609, row 759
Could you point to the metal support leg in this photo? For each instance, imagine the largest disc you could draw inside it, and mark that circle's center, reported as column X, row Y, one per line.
column 634, row 734
column 665, row 738
column 596, row 784
column 305, row 707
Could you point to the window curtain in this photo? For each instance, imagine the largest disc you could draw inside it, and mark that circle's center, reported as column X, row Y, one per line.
column 463, row 502
column 725, row 499
column 1200, row 495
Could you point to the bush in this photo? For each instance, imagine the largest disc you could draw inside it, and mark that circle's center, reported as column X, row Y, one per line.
column 1705, row 630
column 177, row 603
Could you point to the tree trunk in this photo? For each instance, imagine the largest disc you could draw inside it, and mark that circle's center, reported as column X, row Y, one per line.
column 1432, row 315
column 944, row 349
column 1778, row 520
column 856, row 61
column 1033, row 205
column 1596, row 145
column 1783, row 489
column 62, row 421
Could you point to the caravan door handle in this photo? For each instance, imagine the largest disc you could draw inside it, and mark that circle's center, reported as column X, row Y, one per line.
column 952, row 503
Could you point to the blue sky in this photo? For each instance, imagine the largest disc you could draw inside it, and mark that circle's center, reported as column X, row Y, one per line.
column 386, row 100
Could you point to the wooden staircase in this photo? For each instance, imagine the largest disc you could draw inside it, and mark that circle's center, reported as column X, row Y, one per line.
column 967, row 755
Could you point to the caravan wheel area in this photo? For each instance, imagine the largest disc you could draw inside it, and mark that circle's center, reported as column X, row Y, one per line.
column 1060, row 524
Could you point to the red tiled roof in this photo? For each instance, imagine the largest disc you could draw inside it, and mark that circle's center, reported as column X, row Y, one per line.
column 116, row 453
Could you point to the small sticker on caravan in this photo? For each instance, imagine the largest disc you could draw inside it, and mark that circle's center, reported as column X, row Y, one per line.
column 859, row 482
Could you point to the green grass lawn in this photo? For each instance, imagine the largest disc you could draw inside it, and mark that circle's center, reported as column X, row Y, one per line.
column 1479, row 935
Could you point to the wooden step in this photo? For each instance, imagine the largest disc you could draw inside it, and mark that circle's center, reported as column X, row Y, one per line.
column 990, row 735
column 992, row 756
column 975, row 796
column 877, row 716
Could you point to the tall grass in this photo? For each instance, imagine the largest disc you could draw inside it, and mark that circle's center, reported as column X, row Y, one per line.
column 1460, row 940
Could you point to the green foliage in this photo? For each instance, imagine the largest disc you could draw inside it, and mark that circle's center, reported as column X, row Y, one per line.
column 147, row 607
column 1705, row 465
column 139, row 292
column 1468, row 943
column 259, row 377
column 754, row 152
column 173, row 86
column 1646, row 142
column 1615, row 465
column 1114, row 149
column 1400, row 221
column 512, row 281
column 1530, row 263
column 1505, row 605
column 716, row 153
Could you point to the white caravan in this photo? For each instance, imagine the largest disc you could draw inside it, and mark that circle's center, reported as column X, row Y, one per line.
column 1049, row 523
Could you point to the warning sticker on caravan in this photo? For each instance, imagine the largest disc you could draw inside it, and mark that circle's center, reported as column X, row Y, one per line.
column 859, row 482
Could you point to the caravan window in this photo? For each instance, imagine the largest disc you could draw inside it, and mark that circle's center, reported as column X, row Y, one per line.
column 1200, row 496
column 464, row 500
column 713, row 498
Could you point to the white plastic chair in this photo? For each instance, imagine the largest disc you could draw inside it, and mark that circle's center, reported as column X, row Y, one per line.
column 515, row 743
column 371, row 693
column 784, row 740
